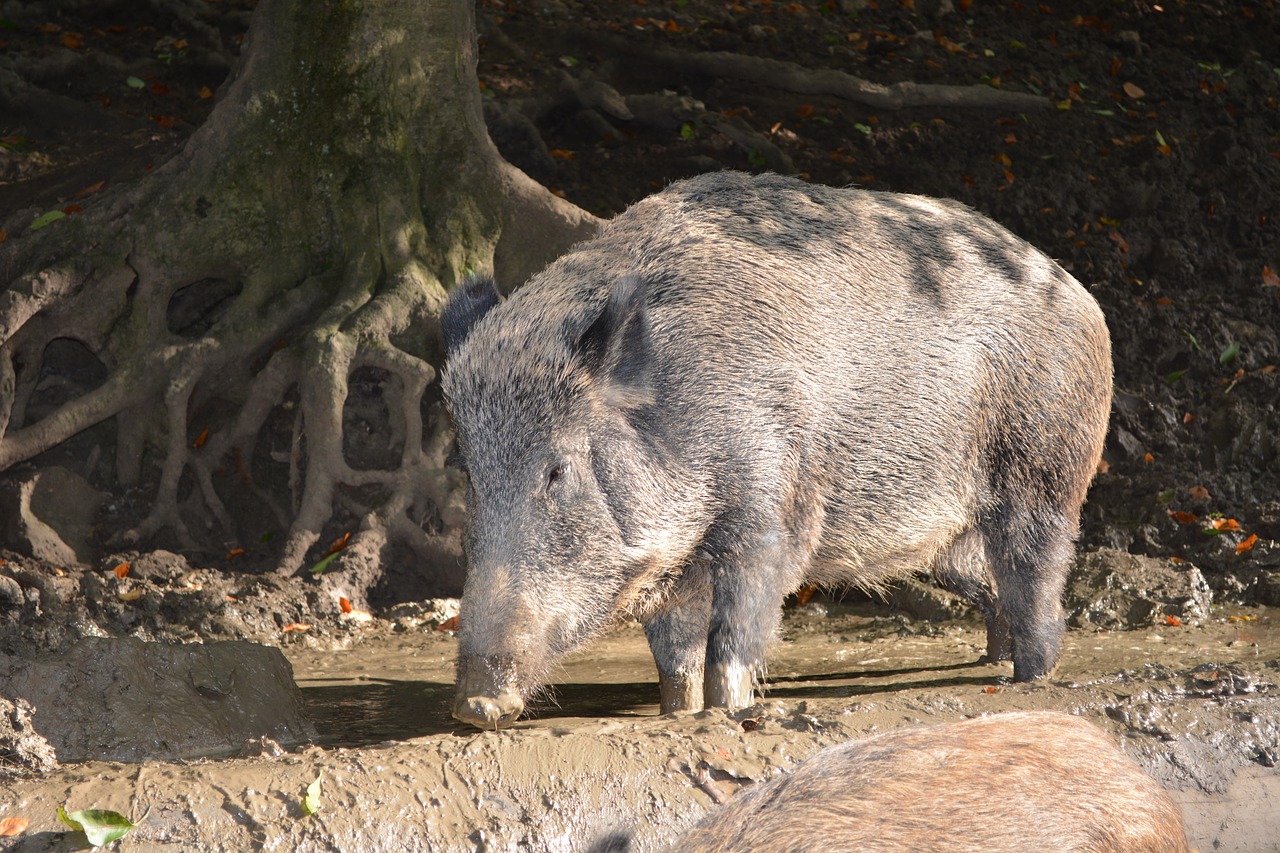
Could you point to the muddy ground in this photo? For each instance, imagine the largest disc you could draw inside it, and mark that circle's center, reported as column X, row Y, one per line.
column 1151, row 171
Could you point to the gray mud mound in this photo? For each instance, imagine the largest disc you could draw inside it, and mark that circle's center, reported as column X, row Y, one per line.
column 127, row 700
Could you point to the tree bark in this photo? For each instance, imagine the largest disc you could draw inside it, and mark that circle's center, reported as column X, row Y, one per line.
column 343, row 183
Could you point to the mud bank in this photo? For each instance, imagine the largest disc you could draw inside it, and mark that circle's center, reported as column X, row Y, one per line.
column 1197, row 706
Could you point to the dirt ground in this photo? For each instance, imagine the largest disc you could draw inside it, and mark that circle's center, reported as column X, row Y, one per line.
column 1151, row 170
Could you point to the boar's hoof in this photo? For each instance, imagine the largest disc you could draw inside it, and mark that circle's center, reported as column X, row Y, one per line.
column 728, row 685
column 488, row 712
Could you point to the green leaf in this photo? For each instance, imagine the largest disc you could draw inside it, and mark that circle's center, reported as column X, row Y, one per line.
column 1104, row 112
column 688, row 131
column 865, row 128
column 1160, row 139
column 311, row 801
column 319, row 568
column 135, row 83
column 46, row 218
column 988, row 52
column 100, row 826
column 1016, row 45
column 1192, row 338
column 1229, row 354
column 1175, row 376
column 755, row 158
column 568, row 61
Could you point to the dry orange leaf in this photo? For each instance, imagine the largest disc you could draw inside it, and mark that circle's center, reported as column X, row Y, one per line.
column 74, row 41
column 804, row 593
column 1003, row 159
column 562, row 154
column 338, row 544
column 11, row 826
column 91, row 190
column 1247, row 545
column 163, row 121
column 4, row 235
column 450, row 624
column 1225, row 524
column 122, row 570
column 1173, row 621
column 1200, row 493
column 1147, row 457
column 344, row 605
column 1269, row 277
column 993, row 690
column 1183, row 517
column 205, row 93
column 804, row 110
column 1103, row 466
column 201, row 439
column 1188, row 417
column 234, row 552
column 1133, row 91
column 295, row 626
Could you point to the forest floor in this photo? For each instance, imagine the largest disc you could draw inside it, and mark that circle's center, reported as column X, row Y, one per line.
column 1149, row 167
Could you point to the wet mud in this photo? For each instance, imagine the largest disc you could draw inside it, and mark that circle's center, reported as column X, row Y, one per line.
column 1195, row 704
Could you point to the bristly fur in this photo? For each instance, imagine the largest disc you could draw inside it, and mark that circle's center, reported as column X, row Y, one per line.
column 779, row 383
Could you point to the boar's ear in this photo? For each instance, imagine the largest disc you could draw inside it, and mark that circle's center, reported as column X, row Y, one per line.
column 617, row 346
column 469, row 301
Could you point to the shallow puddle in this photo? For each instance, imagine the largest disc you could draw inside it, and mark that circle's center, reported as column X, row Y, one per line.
column 402, row 688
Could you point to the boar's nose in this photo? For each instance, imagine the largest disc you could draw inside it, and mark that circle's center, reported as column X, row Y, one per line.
column 488, row 712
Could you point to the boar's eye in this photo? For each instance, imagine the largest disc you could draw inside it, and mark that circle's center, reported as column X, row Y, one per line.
column 456, row 460
column 556, row 473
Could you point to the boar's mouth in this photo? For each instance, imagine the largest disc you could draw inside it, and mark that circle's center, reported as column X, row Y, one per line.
column 487, row 696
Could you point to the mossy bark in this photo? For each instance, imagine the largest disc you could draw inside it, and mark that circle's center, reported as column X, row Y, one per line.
column 343, row 183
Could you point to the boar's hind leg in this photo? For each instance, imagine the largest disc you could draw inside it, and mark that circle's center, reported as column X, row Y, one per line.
column 1030, row 555
column 962, row 568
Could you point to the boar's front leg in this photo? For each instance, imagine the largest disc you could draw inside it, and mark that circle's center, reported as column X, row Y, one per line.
column 677, row 634
column 750, row 579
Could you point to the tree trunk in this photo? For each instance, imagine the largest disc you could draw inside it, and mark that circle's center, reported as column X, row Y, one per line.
column 307, row 234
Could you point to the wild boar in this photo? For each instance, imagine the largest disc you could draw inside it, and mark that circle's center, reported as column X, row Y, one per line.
column 745, row 384
column 1009, row 782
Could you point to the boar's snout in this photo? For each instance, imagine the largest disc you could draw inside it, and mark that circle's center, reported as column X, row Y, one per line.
column 480, row 703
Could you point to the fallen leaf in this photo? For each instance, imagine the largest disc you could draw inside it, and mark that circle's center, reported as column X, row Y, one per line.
column 205, row 93
column 1183, row 517
column 1247, row 545
column 234, row 552
column 1242, row 618
column 804, row 593
column 100, row 826
column 311, row 801
column 295, row 626
column 11, row 826
column 201, row 439
column 163, row 121
column 73, row 41
column 338, row 544
column 132, row 595
column 1173, row 621
column 1200, row 493
column 72, row 208
column 46, row 218
column 1188, row 418
column 344, row 605
column 562, row 154
column 993, row 690
column 1147, row 457
column 1133, row 91
column 804, row 110
column 1103, row 466
column 91, row 190
column 450, row 624
column 4, row 235
column 122, row 570
column 1270, row 278
column 1225, row 524
column 1003, row 159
